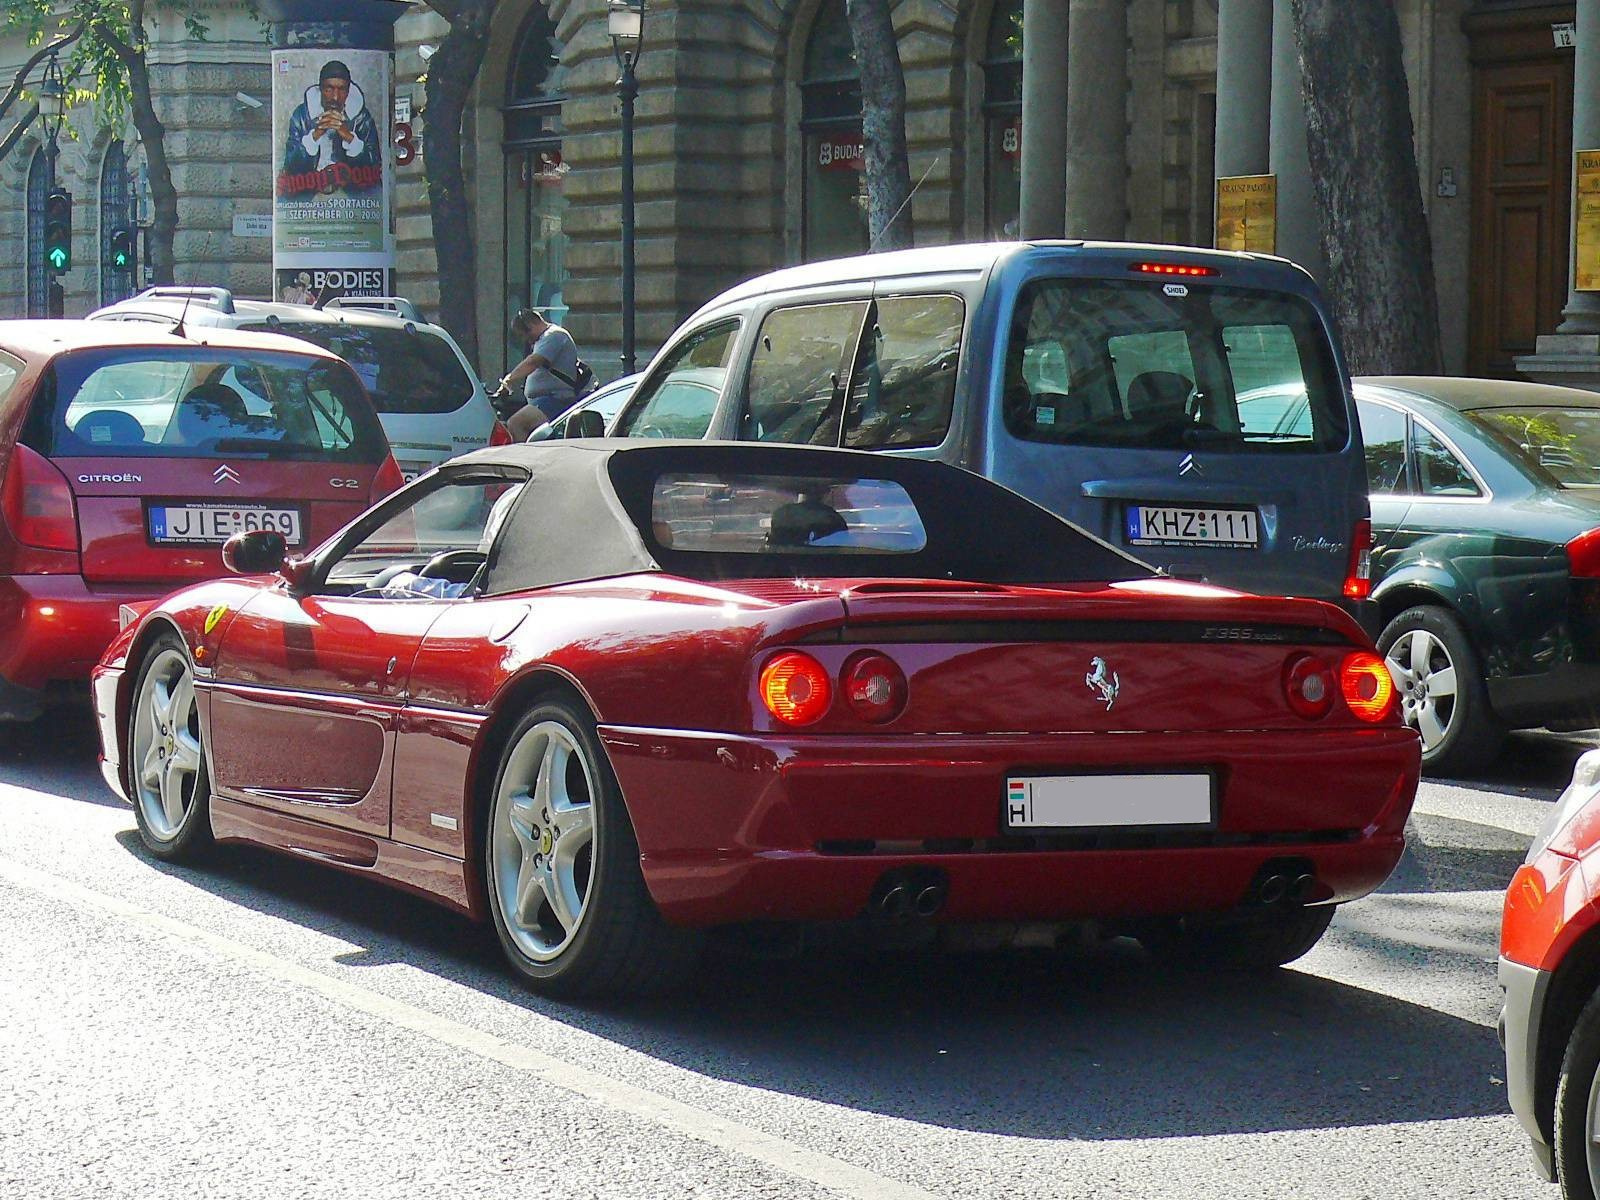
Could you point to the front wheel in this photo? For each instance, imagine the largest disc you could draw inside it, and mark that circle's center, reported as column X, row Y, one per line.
column 566, row 894
column 171, row 787
column 1253, row 941
column 1439, row 683
column 1577, row 1123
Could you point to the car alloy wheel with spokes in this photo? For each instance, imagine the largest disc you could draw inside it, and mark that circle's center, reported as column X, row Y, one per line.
column 543, row 840
column 561, row 867
column 167, row 760
column 1439, row 681
column 1425, row 678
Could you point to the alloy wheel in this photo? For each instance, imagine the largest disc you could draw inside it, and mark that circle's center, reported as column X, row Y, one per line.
column 543, row 840
column 1425, row 677
column 167, row 756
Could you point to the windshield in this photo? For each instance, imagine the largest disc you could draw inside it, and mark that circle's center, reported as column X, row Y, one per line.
column 1565, row 442
column 405, row 370
column 1097, row 362
column 205, row 402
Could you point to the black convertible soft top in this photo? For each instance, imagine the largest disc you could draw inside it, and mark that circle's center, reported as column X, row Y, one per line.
column 586, row 512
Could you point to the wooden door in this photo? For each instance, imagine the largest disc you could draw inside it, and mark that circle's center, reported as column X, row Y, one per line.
column 1521, row 201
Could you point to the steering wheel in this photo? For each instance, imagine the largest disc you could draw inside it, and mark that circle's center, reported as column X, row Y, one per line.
column 443, row 564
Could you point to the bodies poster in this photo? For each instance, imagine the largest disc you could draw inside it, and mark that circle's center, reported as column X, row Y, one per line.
column 330, row 125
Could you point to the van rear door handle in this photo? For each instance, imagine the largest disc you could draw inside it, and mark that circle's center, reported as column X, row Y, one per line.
column 1190, row 489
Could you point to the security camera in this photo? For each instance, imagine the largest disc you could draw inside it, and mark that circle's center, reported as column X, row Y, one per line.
column 246, row 101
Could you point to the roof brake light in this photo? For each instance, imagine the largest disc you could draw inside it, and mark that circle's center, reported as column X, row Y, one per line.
column 1185, row 269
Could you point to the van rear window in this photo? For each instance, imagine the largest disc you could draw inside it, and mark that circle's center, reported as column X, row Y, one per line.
column 1096, row 362
column 204, row 402
column 405, row 371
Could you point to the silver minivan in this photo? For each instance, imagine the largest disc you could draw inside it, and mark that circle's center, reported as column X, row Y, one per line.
column 1139, row 391
column 428, row 397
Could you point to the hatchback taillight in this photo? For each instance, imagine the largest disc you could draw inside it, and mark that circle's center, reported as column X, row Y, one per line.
column 1358, row 574
column 499, row 435
column 874, row 686
column 1309, row 685
column 388, row 479
column 37, row 503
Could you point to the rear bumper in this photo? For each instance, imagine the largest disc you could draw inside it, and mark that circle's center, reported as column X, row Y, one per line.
column 772, row 828
column 53, row 628
column 1525, row 989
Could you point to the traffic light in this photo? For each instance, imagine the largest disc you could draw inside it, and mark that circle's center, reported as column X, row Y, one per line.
column 58, row 230
column 122, row 248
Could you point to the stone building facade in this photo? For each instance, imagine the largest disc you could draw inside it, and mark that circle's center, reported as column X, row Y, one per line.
column 748, row 152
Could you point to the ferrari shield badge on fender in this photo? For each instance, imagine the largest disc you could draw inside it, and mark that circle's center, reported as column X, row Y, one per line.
column 1102, row 680
column 218, row 612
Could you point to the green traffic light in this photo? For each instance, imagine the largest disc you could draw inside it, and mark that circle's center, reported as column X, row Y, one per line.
column 58, row 258
column 119, row 260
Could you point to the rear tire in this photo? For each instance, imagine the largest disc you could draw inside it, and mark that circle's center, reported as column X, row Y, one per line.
column 1578, row 1108
column 1439, row 681
column 1259, row 940
column 169, row 775
column 561, row 867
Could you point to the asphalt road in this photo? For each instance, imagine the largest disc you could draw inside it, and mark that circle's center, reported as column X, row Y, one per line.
column 269, row 1028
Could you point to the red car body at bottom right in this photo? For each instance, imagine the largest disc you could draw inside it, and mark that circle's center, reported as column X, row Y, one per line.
column 1550, row 970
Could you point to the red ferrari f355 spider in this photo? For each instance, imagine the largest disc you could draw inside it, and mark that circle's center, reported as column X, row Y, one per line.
column 609, row 694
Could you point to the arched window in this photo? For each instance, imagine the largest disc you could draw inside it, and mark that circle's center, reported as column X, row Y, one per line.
column 536, row 240
column 117, row 227
column 1002, row 121
column 38, row 277
column 834, row 176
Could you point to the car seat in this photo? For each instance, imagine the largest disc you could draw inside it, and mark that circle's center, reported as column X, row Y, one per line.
column 207, row 414
column 1159, row 397
column 109, row 427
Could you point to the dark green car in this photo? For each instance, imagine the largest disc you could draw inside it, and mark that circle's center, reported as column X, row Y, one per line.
column 1486, row 562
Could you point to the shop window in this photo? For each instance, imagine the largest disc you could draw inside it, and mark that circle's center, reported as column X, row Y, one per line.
column 118, row 225
column 535, row 202
column 834, row 176
column 1002, row 121
column 38, row 276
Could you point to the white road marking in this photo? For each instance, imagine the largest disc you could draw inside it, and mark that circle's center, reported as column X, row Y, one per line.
column 709, row 1128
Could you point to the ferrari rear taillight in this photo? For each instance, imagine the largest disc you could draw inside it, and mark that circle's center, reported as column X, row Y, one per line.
column 874, row 687
column 1367, row 686
column 1583, row 555
column 1309, row 685
column 37, row 503
column 795, row 688
column 1358, row 574
column 388, row 479
column 499, row 435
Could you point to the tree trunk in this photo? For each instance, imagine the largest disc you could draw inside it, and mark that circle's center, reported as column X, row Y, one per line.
column 883, row 123
column 152, row 134
column 451, row 74
column 1364, row 175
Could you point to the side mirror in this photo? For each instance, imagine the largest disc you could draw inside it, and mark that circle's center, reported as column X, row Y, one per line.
column 255, row 552
column 585, row 423
column 543, row 433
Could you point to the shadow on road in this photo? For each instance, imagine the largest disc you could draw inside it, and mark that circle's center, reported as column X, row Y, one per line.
column 57, row 754
column 1092, row 1044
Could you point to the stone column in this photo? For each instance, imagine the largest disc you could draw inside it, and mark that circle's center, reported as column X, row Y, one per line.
column 1582, row 314
column 1244, row 87
column 1044, row 118
column 1299, row 231
column 1097, row 120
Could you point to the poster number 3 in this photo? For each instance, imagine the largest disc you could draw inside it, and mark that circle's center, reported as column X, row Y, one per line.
column 405, row 148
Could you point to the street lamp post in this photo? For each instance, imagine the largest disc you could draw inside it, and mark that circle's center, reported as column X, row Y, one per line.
column 52, row 111
column 625, row 22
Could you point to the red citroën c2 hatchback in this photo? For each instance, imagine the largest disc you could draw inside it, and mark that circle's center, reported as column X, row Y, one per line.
column 130, row 453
